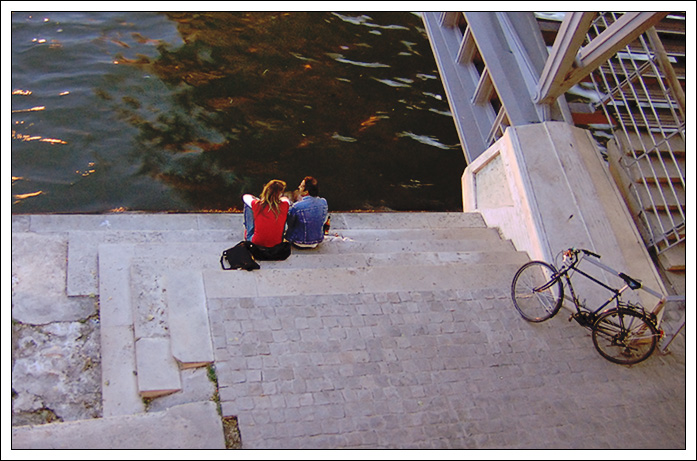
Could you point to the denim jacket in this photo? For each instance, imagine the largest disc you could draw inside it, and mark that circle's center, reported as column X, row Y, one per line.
column 306, row 220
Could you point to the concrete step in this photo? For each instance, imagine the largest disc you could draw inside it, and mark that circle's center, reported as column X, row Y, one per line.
column 207, row 256
column 639, row 142
column 416, row 233
column 662, row 198
column 674, row 259
column 289, row 282
column 82, row 275
column 661, row 169
column 233, row 221
column 189, row 426
column 662, row 222
column 132, row 222
column 424, row 220
column 342, row 246
column 299, row 260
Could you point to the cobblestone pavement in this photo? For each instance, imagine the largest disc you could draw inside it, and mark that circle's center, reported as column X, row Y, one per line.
column 437, row 370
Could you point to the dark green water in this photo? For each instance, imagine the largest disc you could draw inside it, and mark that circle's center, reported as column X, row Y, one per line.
column 186, row 111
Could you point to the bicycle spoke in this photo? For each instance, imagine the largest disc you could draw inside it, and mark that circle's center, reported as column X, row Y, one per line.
column 536, row 294
column 624, row 336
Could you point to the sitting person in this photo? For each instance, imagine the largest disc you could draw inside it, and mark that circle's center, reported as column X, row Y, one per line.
column 307, row 216
column 265, row 217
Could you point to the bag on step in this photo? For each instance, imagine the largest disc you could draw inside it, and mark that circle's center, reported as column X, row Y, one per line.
column 279, row 252
column 239, row 257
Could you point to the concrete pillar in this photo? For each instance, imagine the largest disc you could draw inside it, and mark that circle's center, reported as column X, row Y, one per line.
column 547, row 188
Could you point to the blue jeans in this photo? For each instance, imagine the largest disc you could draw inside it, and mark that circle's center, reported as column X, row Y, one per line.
column 248, row 222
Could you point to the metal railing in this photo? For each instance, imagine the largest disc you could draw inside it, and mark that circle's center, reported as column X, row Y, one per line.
column 650, row 119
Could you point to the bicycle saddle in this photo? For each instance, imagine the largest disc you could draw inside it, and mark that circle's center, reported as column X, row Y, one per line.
column 633, row 284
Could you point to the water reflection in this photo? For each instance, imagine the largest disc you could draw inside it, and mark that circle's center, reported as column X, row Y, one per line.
column 353, row 99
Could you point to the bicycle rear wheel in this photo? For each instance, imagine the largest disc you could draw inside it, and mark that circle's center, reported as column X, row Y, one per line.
column 624, row 336
column 536, row 294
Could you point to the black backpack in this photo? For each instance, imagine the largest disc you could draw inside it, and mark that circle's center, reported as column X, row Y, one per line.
column 239, row 257
column 244, row 254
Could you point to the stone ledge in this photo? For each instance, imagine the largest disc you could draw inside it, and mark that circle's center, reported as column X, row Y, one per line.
column 189, row 426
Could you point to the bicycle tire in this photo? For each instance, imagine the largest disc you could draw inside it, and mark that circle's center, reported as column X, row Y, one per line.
column 624, row 336
column 536, row 296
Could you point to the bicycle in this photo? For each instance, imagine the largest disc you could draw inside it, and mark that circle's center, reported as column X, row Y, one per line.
column 624, row 334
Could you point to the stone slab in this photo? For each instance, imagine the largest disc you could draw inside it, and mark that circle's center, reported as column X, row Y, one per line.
column 148, row 304
column 187, row 313
column 38, row 281
column 119, row 376
column 190, row 426
column 196, row 387
column 158, row 372
column 115, row 285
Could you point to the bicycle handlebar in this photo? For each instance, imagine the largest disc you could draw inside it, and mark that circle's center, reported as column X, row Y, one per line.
column 576, row 251
column 590, row 253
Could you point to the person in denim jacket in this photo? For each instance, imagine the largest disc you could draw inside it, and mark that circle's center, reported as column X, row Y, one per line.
column 307, row 216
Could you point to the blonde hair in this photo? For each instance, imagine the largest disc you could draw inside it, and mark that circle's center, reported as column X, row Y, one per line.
column 271, row 195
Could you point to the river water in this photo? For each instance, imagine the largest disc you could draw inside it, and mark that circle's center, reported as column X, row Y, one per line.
column 187, row 111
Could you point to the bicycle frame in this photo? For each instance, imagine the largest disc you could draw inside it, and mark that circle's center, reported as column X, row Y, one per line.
column 622, row 331
column 617, row 292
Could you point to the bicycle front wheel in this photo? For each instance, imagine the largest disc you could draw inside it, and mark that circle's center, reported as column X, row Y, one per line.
column 624, row 336
column 536, row 291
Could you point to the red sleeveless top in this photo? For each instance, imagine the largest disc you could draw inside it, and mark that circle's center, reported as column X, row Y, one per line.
column 268, row 228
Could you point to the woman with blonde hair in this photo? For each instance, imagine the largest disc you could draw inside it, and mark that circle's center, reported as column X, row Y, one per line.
column 265, row 217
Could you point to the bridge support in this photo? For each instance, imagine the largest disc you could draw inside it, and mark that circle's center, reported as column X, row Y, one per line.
column 545, row 187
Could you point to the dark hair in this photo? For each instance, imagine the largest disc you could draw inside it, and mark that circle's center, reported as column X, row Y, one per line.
column 311, row 186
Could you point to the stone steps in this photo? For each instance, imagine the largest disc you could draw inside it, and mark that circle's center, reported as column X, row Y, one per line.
column 82, row 276
column 164, row 278
column 154, row 275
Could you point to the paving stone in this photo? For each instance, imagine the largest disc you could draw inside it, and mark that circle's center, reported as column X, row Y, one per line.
column 441, row 384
